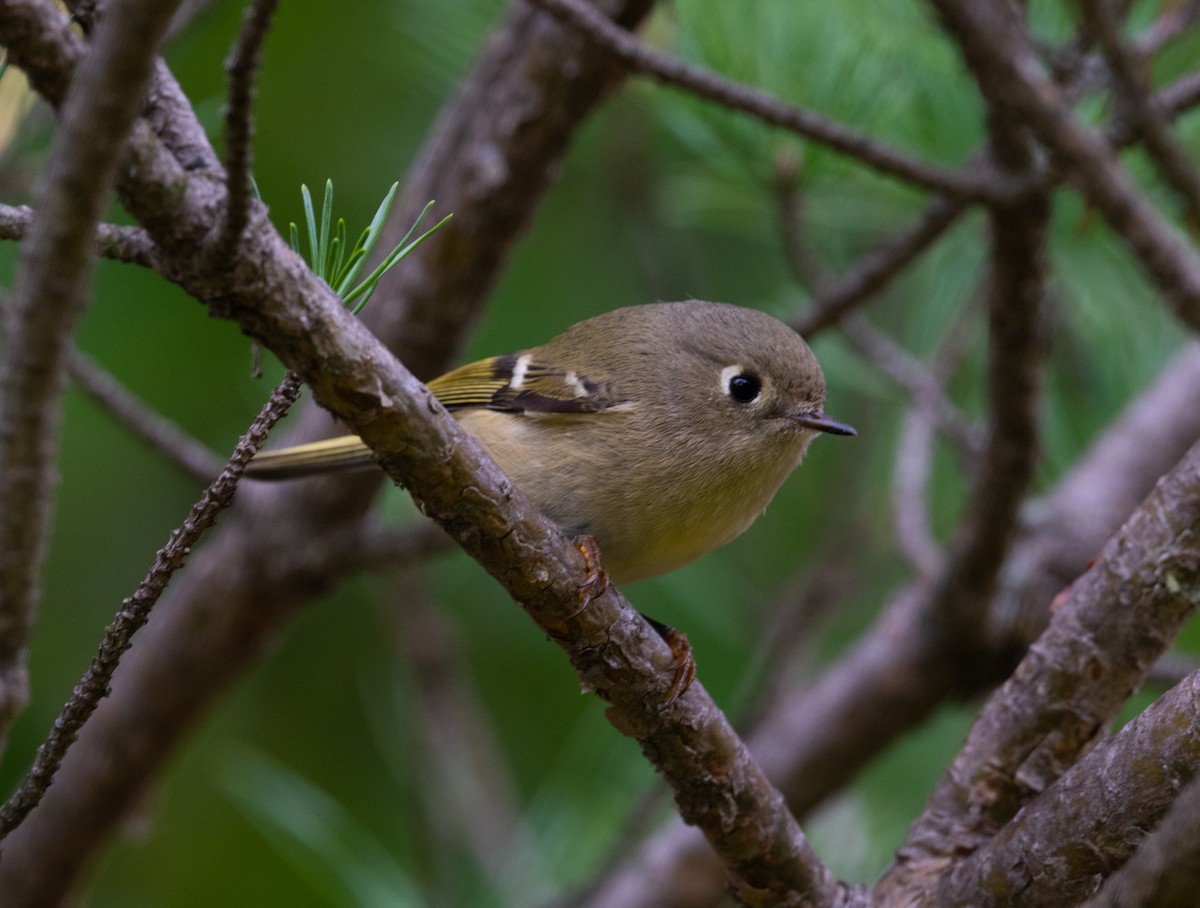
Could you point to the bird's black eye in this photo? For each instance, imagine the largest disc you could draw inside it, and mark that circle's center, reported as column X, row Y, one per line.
column 744, row 387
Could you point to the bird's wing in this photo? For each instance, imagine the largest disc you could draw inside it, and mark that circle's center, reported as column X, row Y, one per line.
column 521, row 382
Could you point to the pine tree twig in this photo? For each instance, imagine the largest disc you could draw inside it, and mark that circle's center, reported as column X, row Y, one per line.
column 970, row 184
column 807, row 267
column 874, row 270
column 997, row 51
column 239, row 123
column 1172, row 21
column 925, row 388
column 878, row 350
column 135, row 610
column 910, row 495
column 1143, row 108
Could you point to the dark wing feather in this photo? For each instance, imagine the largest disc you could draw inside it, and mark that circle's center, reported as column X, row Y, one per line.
column 540, row 387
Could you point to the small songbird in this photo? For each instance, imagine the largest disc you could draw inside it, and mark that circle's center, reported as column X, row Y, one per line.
column 662, row 430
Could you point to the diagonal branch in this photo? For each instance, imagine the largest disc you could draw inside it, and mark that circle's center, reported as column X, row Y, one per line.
column 1165, row 870
column 1112, row 624
column 877, row 267
column 1089, row 822
column 135, row 611
column 961, row 184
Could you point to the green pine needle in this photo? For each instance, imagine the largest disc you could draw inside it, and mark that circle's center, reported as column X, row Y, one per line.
column 336, row 262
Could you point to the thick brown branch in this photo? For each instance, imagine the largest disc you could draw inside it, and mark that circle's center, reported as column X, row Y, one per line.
column 1165, row 870
column 1112, row 624
column 1089, row 822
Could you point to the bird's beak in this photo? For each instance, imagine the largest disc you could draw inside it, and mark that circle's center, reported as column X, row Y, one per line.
column 822, row 423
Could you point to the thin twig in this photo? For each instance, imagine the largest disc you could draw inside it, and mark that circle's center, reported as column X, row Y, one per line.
column 879, row 350
column 798, row 252
column 1172, row 22
column 239, row 123
column 910, row 495
column 1144, row 108
column 970, row 184
column 165, row 436
column 931, row 407
column 113, row 241
column 135, row 610
column 876, row 268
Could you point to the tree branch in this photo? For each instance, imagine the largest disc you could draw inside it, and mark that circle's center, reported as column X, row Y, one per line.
column 1090, row 821
column 239, row 123
column 52, row 283
column 1143, row 107
column 873, row 271
column 1110, row 626
column 135, row 611
column 963, row 184
column 998, row 53
column 122, row 244
column 1163, row 872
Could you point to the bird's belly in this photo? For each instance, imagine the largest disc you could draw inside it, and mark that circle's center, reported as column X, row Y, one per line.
column 646, row 525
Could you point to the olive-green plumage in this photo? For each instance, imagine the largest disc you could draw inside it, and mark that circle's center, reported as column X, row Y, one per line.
column 661, row 430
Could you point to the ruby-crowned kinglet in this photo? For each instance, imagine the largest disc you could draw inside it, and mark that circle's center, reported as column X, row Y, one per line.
column 661, row 430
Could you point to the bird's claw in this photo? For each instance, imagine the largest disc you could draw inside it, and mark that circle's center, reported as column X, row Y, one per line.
column 685, row 660
column 596, row 581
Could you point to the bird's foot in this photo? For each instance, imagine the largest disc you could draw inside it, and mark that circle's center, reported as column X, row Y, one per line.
column 685, row 660
column 596, row 582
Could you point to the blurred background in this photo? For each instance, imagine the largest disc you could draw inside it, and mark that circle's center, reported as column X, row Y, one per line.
column 324, row 778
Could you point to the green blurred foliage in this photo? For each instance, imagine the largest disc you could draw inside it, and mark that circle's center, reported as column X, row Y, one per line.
column 310, row 782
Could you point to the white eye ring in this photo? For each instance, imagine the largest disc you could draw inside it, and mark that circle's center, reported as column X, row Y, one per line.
column 740, row 385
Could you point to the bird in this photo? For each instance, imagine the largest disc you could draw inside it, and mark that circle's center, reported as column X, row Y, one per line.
column 660, row 431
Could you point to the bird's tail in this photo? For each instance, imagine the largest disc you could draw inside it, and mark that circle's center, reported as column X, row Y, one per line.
column 342, row 453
